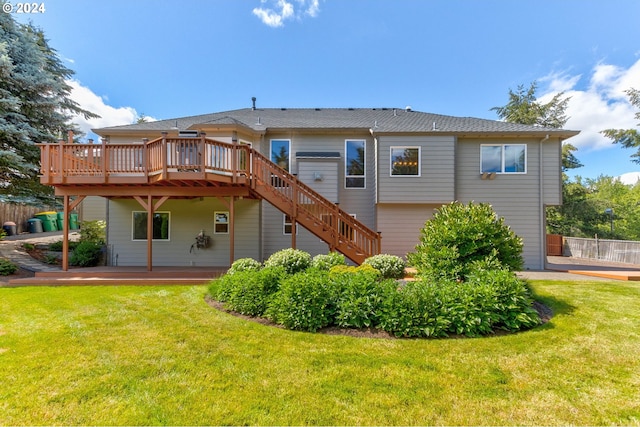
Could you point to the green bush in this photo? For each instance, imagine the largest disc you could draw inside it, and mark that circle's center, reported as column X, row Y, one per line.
column 292, row 260
column 244, row 264
column 360, row 296
column 93, row 231
column 7, row 267
column 390, row 266
column 248, row 292
column 57, row 246
column 305, row 301
column 86, row 254
column 325, row 262
column 458, row 235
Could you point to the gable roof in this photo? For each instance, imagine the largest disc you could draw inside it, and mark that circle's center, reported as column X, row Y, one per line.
column 377, row 120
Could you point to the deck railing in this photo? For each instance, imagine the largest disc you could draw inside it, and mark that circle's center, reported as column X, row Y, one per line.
column 193, row 158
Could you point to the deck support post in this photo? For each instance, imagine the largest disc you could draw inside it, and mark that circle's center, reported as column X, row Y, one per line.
column 65, row 235
column 232, row 229
column 149, row 233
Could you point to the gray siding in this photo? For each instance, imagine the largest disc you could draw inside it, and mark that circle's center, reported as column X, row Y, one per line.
column 93, row 208
column 321, row 175
column 188, row 217
column 436, row 183
column 552, row 171
column 401, row 224
column 516, row 197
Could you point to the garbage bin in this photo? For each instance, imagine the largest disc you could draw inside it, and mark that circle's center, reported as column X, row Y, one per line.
column 73, row 221
column 60, row 220
column 9, row 227
column 49, row 220
column 35, row 225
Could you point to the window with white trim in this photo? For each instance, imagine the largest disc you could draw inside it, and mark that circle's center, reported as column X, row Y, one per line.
column 503, row 158
column 355, row 163
column 287, row 225
column 280, row 153
column 405, row 161
column 161, row 225
column 221, row 222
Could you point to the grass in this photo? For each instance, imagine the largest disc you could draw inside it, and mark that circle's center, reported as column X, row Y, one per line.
column 162, row 356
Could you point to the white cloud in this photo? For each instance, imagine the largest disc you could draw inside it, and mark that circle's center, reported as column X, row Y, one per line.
column 109, row 116
column 602, row 105
column 274, row 12
column 630, row 178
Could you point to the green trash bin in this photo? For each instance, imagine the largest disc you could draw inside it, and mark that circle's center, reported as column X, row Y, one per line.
column 49, row 220
column 60, row 220
column 73, row 221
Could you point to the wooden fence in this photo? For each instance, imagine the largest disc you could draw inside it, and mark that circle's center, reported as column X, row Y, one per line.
column 19, row 214
column 624, row 251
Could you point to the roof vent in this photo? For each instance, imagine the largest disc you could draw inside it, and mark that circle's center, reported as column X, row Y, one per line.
column 253, row 102
column 407, row 108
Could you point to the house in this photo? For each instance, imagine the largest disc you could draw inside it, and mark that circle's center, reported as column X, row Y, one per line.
column 256, row 180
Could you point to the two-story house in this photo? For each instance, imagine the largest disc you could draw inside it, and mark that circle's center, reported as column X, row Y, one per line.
column 257, row 180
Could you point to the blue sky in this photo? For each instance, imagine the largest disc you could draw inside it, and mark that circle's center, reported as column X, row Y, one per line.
column 168, row 59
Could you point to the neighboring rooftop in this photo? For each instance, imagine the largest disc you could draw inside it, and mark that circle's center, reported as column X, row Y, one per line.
column 378, row 120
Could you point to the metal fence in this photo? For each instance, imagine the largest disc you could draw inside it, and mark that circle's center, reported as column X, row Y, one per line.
column 625, row 251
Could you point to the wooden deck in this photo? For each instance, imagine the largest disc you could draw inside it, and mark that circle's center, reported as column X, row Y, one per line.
column 122, row 276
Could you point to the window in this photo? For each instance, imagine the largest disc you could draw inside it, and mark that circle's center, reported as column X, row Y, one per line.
column 287, row 225
column 405, row 161
column 280, row 149
column 505, row 158
column 221, row 222
column 160, row 225
column 354, row 164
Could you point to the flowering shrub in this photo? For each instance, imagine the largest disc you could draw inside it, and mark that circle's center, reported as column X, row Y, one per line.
column 390, row 266
column 325, row 262
column 292, row 260
column 244, row 264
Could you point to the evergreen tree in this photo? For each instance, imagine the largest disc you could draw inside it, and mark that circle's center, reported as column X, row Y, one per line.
column 628, row 138
column 35, row 106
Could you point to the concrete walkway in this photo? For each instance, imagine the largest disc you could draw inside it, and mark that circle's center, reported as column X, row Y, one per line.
column 11, row 248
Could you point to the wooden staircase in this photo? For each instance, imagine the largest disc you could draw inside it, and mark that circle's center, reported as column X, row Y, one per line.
column 305, row 206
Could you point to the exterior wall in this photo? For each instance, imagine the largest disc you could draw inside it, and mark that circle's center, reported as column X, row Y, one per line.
column 436, row 184
column 188, row 217
column 321, row 175
column 516, row 197
column 400, row 225
column 552, row 171
column 93, row 208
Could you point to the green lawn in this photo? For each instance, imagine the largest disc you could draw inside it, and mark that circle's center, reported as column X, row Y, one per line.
column 161, row 355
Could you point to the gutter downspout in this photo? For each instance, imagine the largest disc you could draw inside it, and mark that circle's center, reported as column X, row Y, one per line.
column 543, row 214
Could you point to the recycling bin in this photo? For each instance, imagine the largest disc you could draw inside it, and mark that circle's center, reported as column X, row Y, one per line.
column 49, row 220
column 73, row 221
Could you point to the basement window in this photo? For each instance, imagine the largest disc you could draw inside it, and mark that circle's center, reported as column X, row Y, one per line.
column 221, row 222
column 161, row 222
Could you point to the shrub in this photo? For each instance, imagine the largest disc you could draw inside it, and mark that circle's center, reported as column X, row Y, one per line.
column 86, row 254
column 244, row 264
column 248, row 292
column 325, row 262
column 57, row 246
column 7, row 267
column 305, row 301
column 390, row 266
column 458, row 235
column 343, row 269
column 93, row 231
column 292, row 260
column 360, row 296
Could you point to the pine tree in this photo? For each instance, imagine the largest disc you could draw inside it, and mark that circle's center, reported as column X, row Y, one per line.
column 35, row 107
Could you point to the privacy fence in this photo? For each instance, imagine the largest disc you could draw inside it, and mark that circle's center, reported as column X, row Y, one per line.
column 18, row 213
column 624, row 251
